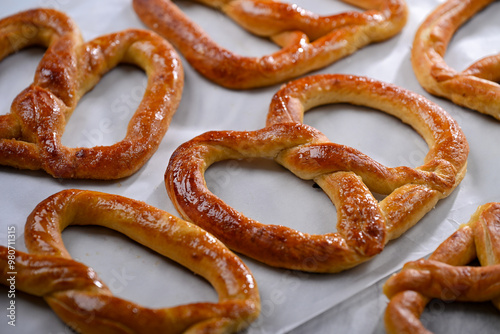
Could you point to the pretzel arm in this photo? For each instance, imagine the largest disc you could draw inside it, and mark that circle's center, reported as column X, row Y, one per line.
column 359, row 218
column 439, row 280
column 38, row 275
column 331, row 157
column 268, row 18
column 402, row 315
column 47, row 28
column 20, row 155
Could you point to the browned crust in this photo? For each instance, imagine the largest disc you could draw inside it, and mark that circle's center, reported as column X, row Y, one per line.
column 364, row 225
column 83, row 301
column 446, row 276
column 476, row 87
column 308, row 41
column 30, row 135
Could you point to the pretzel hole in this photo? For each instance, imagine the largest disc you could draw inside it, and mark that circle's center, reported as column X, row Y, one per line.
column 281, row 198
column 440, row 317
column 477, row 38
column 381, row 136
column 134, row 272
column 102, row 115
column 12, row 80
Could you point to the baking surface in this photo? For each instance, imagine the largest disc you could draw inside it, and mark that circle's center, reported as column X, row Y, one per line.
column 291, row 301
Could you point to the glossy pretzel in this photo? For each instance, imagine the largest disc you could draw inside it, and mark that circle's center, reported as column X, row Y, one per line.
column 308, row 41
column 364, row 225
column 83, row 301
column 445, row 275
column 477, row 86
column 30, row 135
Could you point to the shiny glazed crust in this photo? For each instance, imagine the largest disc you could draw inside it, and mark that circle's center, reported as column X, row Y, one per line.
column 30, row 135
column 445, row 275
column 83, row 301
column 308, row 41
column 346, row 175
column 477, row 86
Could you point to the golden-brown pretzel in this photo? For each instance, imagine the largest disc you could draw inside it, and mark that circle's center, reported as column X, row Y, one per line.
column 30, row 135
column 364, row 225
column 445, row 275
column 80, row 299
column 308, row 41
column 477, row 86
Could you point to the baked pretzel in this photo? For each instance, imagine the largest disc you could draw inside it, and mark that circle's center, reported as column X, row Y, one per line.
column 308, row 41
column 477, row 86
column 364, row 225
column 83, row 301
column 30, row 135
column 445, row 275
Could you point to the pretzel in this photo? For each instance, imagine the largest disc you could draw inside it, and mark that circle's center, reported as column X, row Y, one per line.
column 83, row 301
column 308, row 41
column 445, row 275
column 477, row 86
column 30, row 135
column 364, row 225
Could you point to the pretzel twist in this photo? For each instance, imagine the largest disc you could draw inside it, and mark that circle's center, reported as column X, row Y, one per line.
column 364, row 225
column 83, row 301
column 308, row 41
column 30, row 135
column 445, row 275
column 477, row 86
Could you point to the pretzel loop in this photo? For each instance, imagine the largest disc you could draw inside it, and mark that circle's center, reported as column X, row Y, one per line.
column 30, row 135
column 445, row 275
column 76, row 294
column 308, row 41
column 346, row 175
column 477, row 86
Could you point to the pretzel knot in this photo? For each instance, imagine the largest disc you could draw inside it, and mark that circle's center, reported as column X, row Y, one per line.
column 477, row 86
column 76, row 294
column 364, row 225
column 30, row 135
column 445, row 275
column 308, row 41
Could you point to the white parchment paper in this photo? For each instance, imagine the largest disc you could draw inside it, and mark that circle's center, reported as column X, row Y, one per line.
column 260, row 189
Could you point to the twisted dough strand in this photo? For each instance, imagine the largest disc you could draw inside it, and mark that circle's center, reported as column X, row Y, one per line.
column 308, row 41
column 83, row 301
